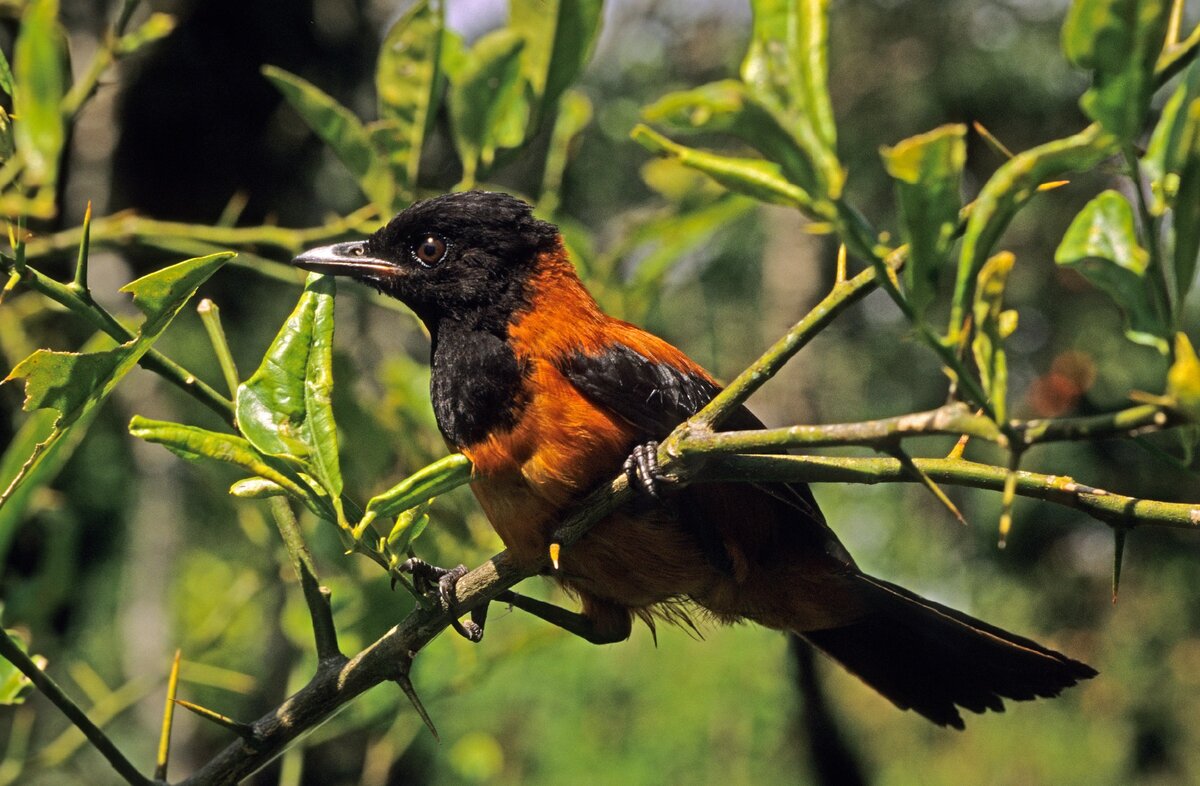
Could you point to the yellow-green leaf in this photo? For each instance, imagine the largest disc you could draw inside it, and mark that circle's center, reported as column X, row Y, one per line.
column 429, row 481
column 1183, row 379
column 988, row 346
column 40, row 83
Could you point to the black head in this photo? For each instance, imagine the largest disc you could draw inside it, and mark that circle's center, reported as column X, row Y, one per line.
column 464, row 256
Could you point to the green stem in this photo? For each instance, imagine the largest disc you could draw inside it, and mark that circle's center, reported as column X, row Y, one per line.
column 1161, row 287
column 153, row 360
column 50, row 689
column 316, row 596
column 1113, row 509
column 210, row 315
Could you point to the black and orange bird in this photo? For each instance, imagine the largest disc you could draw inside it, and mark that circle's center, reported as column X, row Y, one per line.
column 549, row 396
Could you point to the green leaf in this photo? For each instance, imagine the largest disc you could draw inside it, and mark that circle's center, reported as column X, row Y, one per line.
column 1102, row 245
column 1167, row 152
column 992, row 324
column 74, row 384
column 256, row 488
column 156, row 27
column 407, row 79
column 41, row 81
column 408, row 527
column 192, row 443
column 484, row 87
column 428, row 482
column 559, row 36
column 1008, row 189
column 728, row 107
column 927, row 169
column 13, row 683
column 575, row 112
column 1183, row 379
column 786, row 70
column 1187, row 206
column 284, row 408
column 753, row 177
column 680, row 234
column 341, row 130
column 1119, row 41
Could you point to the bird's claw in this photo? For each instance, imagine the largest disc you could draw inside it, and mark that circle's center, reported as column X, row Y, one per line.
column 641, row 468
column 426, row 576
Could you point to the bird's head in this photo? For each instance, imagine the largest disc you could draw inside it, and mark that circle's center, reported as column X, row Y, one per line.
column 463, row 256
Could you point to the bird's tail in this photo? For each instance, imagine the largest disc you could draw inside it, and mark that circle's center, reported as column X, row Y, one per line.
column 932, row 659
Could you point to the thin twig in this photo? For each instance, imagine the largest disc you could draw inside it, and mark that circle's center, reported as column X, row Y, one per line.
column 50, row 689
column 316, row 596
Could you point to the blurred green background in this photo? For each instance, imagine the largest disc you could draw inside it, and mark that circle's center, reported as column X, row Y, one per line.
column 132, row 553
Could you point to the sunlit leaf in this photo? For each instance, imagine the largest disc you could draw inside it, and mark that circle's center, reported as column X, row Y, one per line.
column 1183, row 379
column 407, row 80
column 156, row 27
column 341, row 130
column 485, row 86
column 1010, row 187
column 786, row 70
column 430, row 481
column 1119, row 41
column 40, row 83
column 727, row 107
column 928, row 172
column 559, row 36
column 753, row 177
column 284, row 408
column 1102, row 245
column 192, row 443
column 75, row 383
column 988, row 346
column 1167, row 152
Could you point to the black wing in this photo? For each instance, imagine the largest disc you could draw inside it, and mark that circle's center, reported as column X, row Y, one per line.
column 656, row 397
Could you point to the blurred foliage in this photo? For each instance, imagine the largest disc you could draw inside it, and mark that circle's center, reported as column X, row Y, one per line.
column 114, row 553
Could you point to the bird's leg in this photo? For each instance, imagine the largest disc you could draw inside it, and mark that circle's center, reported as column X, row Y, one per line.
column 643, row 472
column 588, row 628
column 425, row 576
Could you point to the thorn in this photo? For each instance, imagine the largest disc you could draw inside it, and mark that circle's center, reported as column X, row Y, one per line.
column 406, row 685
column 555, row 548
column 164, row 740
column 1010, row 493
column 1118, row 556
column 990, row 138
column 243, row 730
column 930, row 484
column 841, row 264
column 959, row 448
column 1050, row 185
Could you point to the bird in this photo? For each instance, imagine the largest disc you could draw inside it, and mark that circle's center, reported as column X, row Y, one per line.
column 549, row 396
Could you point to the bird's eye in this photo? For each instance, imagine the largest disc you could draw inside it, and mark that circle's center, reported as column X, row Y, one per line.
column 430, row 250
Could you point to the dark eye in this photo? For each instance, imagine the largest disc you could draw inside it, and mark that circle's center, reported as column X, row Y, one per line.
column 430, row 250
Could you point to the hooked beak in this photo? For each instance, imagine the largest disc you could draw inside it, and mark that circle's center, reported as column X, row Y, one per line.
column 345, row 259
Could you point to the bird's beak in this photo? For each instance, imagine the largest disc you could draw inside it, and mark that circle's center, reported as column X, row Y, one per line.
column 345, row 259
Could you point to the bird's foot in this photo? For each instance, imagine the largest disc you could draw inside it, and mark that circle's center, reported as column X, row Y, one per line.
column 427, row 577
column 643, row 472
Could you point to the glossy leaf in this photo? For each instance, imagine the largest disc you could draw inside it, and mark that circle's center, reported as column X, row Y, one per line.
column 407, row 79
column 1167, row 152
column 928, row 172
column 430, row 481
column 1102, row 245
column 40, row 83
column 1183, row 379
column 192, row 443
column 341, row 130
column 559, row 36
column 485, row 85
column 753, row 177
column 786, row 70
column 74, row 384
column 728, row 107
column 1008, row 189
column 284, row 408
column 991, row 327
column 1119, row 41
